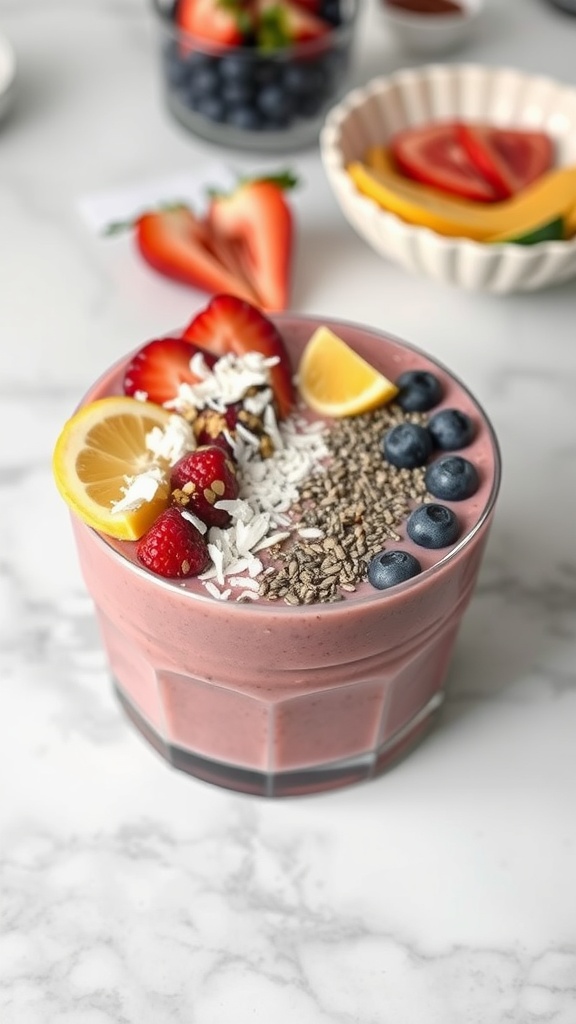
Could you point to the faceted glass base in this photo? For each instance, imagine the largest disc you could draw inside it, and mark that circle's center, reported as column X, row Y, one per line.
column 295, row 782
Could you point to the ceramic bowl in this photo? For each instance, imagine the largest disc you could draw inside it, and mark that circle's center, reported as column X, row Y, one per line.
column 499, row 96
column 431, row 34
column 268, row 101
column 7, row 76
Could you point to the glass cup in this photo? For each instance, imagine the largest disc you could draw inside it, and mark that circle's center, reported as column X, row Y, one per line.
column 246, row 98
column 278, row 700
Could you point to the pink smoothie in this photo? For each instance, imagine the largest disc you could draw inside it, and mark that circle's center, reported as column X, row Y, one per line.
column 277, row 700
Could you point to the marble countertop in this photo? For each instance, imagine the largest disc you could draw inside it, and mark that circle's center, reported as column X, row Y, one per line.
column 445, row 891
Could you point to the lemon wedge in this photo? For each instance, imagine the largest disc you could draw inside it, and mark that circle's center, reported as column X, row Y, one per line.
column 335, row 381
column 99, row 449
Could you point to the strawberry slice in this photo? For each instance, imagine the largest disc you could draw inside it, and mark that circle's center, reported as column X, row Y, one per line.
column 180, row 246
column 284, row 23
column 256, row 222
column 510, row 159
column 432, row 153
column 159, row 368
column 228, row 324
column 224, row 22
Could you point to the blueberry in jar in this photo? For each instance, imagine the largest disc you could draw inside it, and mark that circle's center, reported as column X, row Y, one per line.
column 233, row 68
column 451, row 429
column 330, row 12
column 244, row 116
column 266, row 72
column 275, row 104
column 388, row 568
column 452, row 478
column 237, row 93
column 211, row 107
column 306, row 83
column 176, row 69
column 407, row 445
column 420, row 390
column 433, row 526
column 205, row 81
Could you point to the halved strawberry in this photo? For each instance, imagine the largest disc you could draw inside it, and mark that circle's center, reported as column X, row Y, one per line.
column 180, row 246
column 284, row 23
column 224, row 22
column 256, row 223
column 228, row 324
column 159, row 368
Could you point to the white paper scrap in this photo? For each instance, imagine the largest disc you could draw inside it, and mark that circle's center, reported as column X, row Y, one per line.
column 101, row 210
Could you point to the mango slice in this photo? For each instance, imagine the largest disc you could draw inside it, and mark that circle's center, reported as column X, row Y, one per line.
column 552, row 231
column 570, row 223
column 549, row 198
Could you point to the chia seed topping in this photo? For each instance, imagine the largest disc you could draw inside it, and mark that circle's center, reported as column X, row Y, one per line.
column 346, row 514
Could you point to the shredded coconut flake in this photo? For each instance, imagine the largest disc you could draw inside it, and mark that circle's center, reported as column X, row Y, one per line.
column 226, row 382
column 273, row 538
column 247, row 435
column 171, row 442
column 198, row 523
column 139, row 489
column 247, row 583
column 268, row 488
column 220, row 595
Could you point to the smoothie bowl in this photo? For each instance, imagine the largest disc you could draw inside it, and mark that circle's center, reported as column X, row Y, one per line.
column 280, row 521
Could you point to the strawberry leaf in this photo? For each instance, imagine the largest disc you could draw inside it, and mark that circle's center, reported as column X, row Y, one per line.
column 272, row 32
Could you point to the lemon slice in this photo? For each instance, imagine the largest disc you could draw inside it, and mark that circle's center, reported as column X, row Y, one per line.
column 101, row 446
column 335, row 381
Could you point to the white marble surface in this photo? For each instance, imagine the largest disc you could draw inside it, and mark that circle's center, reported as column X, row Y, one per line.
column 444, row 892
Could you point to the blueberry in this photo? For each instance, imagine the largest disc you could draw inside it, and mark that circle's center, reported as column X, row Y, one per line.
column 177, row 71
column 304, row 79
column 451, row 429
column 407, row 445
column 275, row 103
column 245, row 117
column 419, row 390
column 204, row 82
column 307, row 84
column 267, row 72
column 330, row 11
column 236, row 69
column 391, row 567
column 237, row 94
column 211, row 107
column 452, row 478
column 433, row 526
column 334, row 66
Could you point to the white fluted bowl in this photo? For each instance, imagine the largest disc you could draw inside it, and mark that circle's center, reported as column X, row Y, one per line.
column 504, row 97
column 7, row 75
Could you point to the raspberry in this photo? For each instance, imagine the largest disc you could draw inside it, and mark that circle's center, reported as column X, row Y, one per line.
column 173, row 547
column 200, row 479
